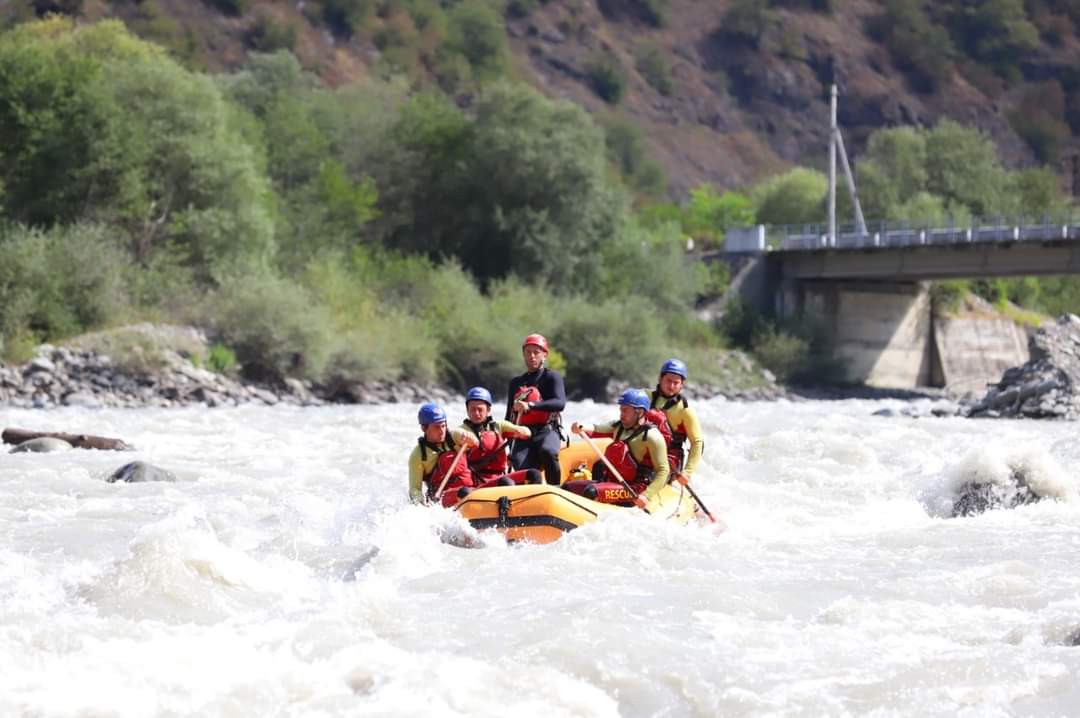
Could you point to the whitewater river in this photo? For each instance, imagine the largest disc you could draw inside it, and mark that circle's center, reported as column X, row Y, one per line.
column 285, row 574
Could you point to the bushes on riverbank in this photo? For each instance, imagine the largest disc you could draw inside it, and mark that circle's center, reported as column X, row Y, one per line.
column 386, row 316
column 356, row 233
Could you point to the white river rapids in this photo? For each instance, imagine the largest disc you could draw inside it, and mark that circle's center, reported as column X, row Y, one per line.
column 286, row 574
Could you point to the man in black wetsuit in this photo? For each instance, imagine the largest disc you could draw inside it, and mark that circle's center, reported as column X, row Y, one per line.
column 535, row 400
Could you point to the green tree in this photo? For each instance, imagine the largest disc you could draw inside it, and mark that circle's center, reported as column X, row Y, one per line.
column 709, row 215
column 325, row 198
column 169, row 167
column 102, row 126
column 627, row 150
column 891, row 173
column 747, row 21
column 1036, row 192
column 653, row 66
column 232, row 8
column 653, row 12
column 920, row 47
column 476, row 32
column 924, row 208
column 548, row 197
column 963, row 168
column 1039, row 118
column 58, row 282
column 995, row 31
column 652, row 263
column 795, row 197
column 347, row 17
column 900, row 152
column 606, row 77
column 521, row 183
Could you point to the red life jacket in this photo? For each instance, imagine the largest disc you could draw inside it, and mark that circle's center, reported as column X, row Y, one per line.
column 462, row 476
column 676, row 444
column 618, row 455
column 638, row 474
column 659, row 419
column 533, row 417
column 489, row 458
column 673, row 439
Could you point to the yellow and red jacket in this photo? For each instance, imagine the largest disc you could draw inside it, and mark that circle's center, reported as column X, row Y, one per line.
column 642, row 452
column 684, row 426
column 424, row 465
column 489, row 459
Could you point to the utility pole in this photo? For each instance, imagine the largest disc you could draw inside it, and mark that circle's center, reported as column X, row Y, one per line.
column 836, row 141
column 832, row 166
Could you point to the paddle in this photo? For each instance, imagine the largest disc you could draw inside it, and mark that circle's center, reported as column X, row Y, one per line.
column 681, row 478
column 450, row 471
column 517, row 418
column 638, row 501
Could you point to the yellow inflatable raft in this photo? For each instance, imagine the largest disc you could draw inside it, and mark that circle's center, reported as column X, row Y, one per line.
column 543, row 513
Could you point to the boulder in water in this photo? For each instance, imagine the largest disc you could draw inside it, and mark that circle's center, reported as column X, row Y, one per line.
column 41, row 445
column 138, row 472
column 976, row 497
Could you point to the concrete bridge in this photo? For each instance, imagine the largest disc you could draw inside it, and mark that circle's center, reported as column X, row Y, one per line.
column 869, row 292
column 994, row 247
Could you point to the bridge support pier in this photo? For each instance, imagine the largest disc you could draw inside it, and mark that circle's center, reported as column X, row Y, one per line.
column 885, row 334
column 881, row 333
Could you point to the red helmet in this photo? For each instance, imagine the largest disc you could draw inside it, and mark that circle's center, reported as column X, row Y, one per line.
column 537, row 340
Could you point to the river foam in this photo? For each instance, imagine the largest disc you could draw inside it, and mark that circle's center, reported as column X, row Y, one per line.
column 285, row 573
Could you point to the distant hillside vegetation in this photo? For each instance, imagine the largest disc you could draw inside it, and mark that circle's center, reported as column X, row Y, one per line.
column 725, row 91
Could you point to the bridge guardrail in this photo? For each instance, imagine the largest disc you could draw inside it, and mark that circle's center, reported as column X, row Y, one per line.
column 813, row 237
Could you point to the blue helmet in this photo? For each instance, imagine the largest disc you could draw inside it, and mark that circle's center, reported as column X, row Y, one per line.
column 635, row 398
column 478, row 393
column 431, row 414
column 674, row 366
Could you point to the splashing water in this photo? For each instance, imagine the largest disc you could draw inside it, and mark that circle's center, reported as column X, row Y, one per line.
column 285, row 573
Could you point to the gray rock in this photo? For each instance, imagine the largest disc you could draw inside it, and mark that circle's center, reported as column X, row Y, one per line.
column 39, row 364
column 42, row 380
column 945, row 408
column 84, row 399
column 267, row 397
column 975, row 498
column 296, row 387
column 138, row 472
column 41, row 445
column 552, row 36
column 1046, row 383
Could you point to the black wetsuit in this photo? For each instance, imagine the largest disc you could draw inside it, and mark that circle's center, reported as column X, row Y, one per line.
column 542, row 450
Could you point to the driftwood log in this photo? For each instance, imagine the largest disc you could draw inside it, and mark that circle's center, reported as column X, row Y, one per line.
column 79, row 441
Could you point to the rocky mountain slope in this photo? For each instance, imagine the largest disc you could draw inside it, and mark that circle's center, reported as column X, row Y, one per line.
column 725, row 91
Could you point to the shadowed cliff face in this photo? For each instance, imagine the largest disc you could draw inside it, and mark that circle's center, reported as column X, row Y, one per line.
column 720, row 100
column 745, row 103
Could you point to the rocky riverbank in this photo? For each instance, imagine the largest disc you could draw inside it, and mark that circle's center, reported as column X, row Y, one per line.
column 159, row 366
column 164, row 366
column 1047, row 386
